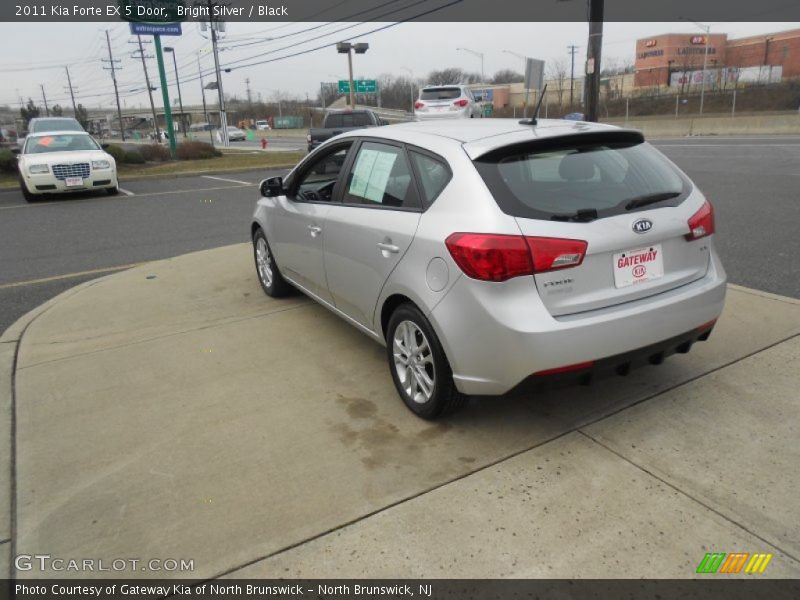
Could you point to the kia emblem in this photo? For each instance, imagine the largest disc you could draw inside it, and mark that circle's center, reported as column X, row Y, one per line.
column 642, row 225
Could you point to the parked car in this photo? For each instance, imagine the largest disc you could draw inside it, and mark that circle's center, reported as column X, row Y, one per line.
column 64, row 161
column 235, row 134
column 50, row 124
column 340, row 122
column 446, row 102
column 492, row 255
column 262, row 125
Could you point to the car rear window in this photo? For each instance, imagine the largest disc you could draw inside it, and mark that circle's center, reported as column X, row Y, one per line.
column 445, row 93
column 601, row 177
column 347, row 120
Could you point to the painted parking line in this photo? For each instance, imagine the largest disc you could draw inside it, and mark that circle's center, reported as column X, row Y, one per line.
column 239, row 181
column 70, row 275
column 126, row 192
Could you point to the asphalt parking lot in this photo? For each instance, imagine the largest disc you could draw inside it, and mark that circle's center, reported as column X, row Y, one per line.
column 159, row 381
column 50, row 246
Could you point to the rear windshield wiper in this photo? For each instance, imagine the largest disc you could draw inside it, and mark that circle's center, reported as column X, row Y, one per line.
column 650, row 199
column 583, row 215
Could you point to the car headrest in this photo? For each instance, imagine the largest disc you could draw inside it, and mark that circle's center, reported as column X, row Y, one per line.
column 576, row 166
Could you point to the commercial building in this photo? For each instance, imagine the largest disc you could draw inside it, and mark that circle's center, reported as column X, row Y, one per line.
column 676, row 59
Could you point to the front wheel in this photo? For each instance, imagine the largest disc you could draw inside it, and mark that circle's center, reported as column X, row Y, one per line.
column 272, row 282
column 25, row 193
column 419, row 367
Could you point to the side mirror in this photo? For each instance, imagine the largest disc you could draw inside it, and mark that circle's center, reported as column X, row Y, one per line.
column 105, row 146
column 16, row 150
column 272, row 187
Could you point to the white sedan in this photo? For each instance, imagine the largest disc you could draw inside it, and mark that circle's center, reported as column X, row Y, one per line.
column 66, row 161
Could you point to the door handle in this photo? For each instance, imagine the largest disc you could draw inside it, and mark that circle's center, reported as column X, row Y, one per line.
column 314, row 230
column 385, row 247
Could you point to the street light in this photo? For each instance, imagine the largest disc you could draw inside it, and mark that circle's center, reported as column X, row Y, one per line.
column 348, row 48
column 203, row 92
column 483, row 78
column 171, row 50
column 707, row 29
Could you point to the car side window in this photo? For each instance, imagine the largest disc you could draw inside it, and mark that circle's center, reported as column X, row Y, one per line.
column 433, row 175
column 381, row 176
column 317, row 183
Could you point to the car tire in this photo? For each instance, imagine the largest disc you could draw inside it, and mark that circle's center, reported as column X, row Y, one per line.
column 420, row 370
column 26, row 194
column 269, row 276
column 112, row 191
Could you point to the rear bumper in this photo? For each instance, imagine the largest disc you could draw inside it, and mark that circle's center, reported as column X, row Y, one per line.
column 439, row 116
column 497, row 335
column 619, row 364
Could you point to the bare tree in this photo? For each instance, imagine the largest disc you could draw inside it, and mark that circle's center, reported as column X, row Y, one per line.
column 558, row 70
column 508, row 76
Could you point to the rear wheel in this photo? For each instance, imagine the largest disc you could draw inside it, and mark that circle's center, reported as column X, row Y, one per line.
column 419, row 367
column 272, row 282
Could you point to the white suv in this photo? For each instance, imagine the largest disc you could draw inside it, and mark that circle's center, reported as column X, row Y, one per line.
column 446, row 102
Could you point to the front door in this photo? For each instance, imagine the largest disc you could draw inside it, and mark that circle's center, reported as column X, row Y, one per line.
column 299, row 224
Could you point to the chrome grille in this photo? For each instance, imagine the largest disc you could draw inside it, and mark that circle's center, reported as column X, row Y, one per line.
column 75, row 170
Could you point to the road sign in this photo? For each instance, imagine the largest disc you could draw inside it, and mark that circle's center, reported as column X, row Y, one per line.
column 534, row 74
column 155, row 28
column 363, row 86
column 151, row 11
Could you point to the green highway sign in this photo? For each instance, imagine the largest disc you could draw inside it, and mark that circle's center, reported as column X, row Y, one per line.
column 363, row 86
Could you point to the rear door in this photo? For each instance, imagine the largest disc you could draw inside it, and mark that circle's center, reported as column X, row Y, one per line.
column 623, row 198
column 369, row 231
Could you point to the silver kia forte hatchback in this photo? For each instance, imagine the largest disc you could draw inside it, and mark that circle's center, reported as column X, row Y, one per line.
column 492, row 255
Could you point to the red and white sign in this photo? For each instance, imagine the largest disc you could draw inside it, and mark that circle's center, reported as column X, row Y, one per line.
column 650, row 43
column 698, row 39
column 637, row 266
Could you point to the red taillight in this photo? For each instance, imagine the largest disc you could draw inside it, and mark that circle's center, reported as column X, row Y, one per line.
column 567, row 369
column 492, row 257
column 550, row 254
column 701, row 223
column 419, row 104
column 462, row 103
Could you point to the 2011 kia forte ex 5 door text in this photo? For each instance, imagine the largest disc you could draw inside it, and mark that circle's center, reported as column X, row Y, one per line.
column 491, row 254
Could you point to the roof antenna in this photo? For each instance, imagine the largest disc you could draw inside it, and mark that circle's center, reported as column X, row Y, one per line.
column 533, row 119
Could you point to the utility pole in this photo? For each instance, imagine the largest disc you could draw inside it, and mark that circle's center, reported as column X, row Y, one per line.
column 249, row 94
column 44, row 99
column 71, row 93
column 113, row 70
column 572, row 50
column 149, row 88
column 223, row 117
column 592, row 82
column 203, row 92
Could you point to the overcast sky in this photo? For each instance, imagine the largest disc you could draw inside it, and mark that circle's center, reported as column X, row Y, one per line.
column 34, row 54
